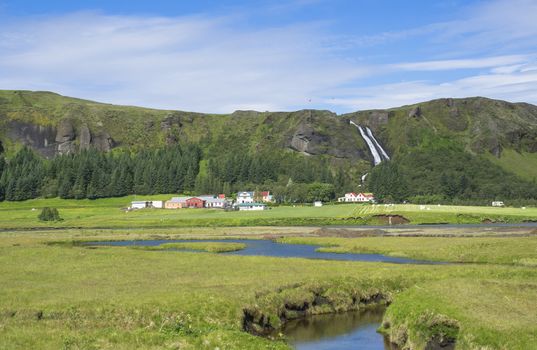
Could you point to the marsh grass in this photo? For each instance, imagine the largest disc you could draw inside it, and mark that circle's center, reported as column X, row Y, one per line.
column 210, row 247
column 494, row 250
column 67, row 296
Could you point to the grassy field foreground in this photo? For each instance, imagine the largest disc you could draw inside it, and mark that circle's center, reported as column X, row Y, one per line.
column 55, row 296
column 108, row 213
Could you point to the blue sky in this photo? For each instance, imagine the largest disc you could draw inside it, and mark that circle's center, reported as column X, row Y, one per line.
column 219, row 56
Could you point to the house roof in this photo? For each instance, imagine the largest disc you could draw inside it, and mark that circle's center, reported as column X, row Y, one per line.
column 206, row 197
column 245, row 193
column 251, row 205
column 197, row 198
column 179, row 199
column 215, row 200
column 265, row 193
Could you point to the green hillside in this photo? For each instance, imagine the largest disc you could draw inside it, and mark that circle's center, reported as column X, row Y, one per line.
column 472, row 148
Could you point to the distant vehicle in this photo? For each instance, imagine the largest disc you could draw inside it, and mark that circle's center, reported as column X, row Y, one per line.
column 317, row 204
column 498, row 204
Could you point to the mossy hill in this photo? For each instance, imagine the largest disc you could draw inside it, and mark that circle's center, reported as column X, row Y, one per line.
column 478, row 131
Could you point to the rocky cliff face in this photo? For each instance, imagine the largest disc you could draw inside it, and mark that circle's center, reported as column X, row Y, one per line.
column 322, row 133
column 40, row 138
column 64, row 138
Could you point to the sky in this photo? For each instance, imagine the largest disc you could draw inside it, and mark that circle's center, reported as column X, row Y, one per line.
column 220, row 56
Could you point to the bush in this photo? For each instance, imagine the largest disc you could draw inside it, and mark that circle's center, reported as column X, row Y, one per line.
column 49, row 214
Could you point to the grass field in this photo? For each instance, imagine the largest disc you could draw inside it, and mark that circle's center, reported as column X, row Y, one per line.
column 63, row 296
column 108, row 213
column 492, row 250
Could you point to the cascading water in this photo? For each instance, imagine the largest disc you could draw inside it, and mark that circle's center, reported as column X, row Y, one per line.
column 383, row 152
column 376, row 156
column 372, row 143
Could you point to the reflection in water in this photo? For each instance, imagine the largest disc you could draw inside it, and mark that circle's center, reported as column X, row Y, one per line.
column 349, row 330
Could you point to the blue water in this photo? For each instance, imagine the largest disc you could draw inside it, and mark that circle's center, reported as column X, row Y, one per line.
column 273, row 249
column 351, row 330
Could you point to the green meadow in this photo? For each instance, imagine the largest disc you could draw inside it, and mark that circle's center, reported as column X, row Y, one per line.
column 110, row 212
column 58, row 295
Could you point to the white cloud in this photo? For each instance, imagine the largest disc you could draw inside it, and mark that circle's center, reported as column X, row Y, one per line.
column 518, row 86
column 473, row 63
column 195, row 63
column 219, row 64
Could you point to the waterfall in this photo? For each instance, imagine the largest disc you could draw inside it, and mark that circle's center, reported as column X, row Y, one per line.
column 373, row 144
column 376, row 156
column 384, row 154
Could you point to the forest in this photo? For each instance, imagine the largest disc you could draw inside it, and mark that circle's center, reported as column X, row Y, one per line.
column 425, row 175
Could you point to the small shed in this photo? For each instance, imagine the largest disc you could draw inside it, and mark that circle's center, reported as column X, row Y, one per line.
column 157, row 204
column 139, row 204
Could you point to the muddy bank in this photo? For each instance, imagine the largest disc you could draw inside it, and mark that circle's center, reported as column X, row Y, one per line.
column 391, row 219
column 428, row 331
column 345, row 233
column 409, row 232
column 272, row 310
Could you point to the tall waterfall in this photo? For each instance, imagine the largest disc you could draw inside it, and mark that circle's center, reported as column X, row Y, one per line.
column 372, row 143
column 384, row 154
column 376, row 156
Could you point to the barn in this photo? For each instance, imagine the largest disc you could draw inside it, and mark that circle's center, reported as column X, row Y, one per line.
column 195, row 202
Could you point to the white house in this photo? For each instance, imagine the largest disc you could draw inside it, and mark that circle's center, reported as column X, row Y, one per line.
column 251, row 206
column 214, row 201
column 147, row 204
column 245, row 197
column 317, row 204
column 156, row 204
column 140, row 204
column 354, row 197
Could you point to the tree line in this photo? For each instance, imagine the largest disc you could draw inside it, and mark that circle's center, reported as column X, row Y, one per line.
column 175, row 169
column 447, row 174
column 441, row 174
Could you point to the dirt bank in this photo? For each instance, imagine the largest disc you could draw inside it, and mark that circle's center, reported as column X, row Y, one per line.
column 272, row 310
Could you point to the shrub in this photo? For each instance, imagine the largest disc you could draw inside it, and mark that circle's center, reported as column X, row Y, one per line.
column 49, row 214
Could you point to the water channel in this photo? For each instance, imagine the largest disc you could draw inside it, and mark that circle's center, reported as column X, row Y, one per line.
column 273, row 249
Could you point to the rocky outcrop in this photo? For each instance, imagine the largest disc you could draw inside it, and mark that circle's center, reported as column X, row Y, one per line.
column 40, row 138
column 320, row 133
column 50, row 141
column 376, row 119
column 103, row 142
column 302, row 138
column 67, row 147
column 415, row 112
column 65, row 136
column 65, row 131
column 84, row 139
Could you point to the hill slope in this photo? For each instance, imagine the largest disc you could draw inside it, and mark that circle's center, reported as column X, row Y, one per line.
column 479, row 131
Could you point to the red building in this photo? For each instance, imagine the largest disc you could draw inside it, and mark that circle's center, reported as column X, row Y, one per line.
column 195, row 202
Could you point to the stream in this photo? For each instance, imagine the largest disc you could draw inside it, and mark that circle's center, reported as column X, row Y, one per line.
column 349, row 330
column 273, row 249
